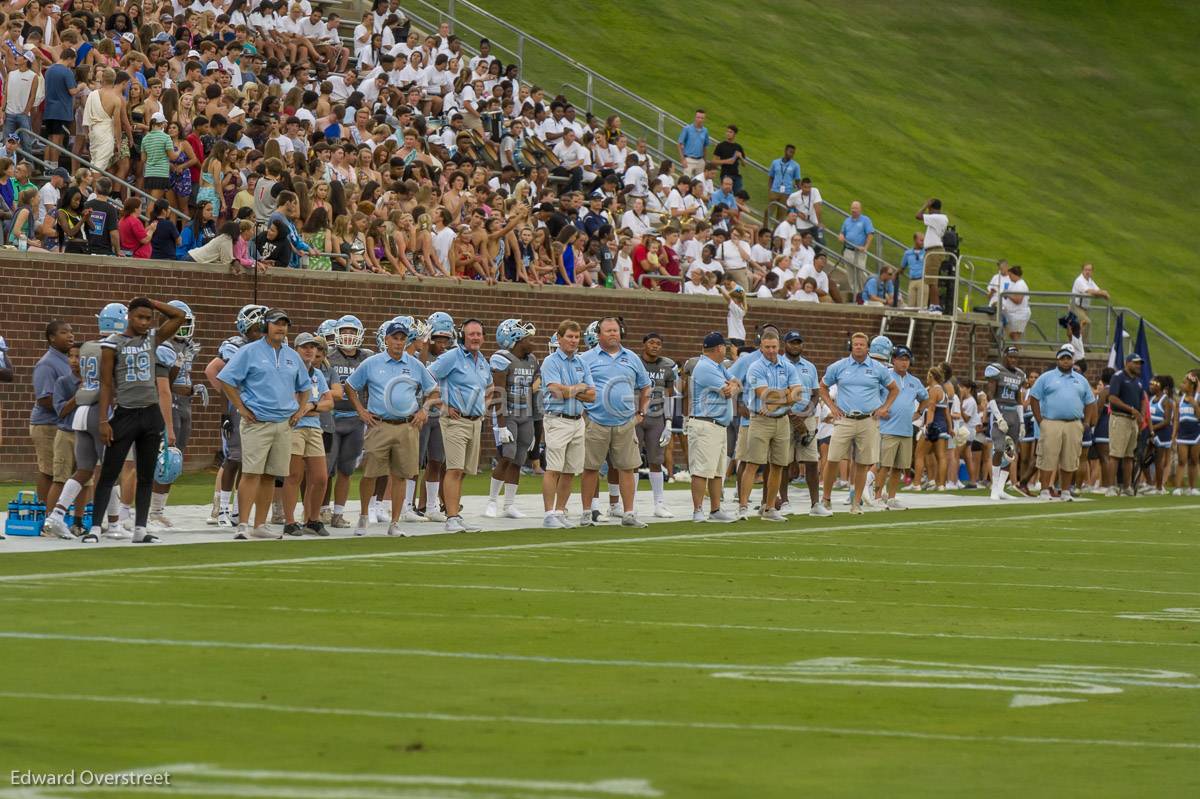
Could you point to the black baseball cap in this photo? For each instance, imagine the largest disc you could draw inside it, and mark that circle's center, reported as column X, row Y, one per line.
column 651, row 335
column 793, row 335
column 1012, row 349
column 902, row 352
column 276, row 315
column 714, row 339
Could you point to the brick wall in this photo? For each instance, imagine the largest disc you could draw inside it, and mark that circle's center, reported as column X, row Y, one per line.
column 41, row 287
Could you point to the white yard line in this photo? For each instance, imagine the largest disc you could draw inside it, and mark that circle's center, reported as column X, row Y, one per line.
column 715, row 726
column 398, row 614
column 10, row 578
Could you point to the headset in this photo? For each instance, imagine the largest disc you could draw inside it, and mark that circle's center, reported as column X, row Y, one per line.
column 620, row 320
column 459, row 332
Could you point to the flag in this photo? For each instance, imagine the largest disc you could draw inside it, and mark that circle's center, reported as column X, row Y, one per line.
column 1116, row 355
column 1143, row 349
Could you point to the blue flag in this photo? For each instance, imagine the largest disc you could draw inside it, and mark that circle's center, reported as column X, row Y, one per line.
column 1116, row 355
column 1143, row 349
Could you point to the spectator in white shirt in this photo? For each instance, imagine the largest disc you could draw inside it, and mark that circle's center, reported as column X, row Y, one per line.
column 695, row 281
column 1015, row 306
column 935, row 227
column 552, row 128
column 787, row 228
column 572, row 156
column 766, row 289
column 1082, row 292
column 437, row 81
column 802, row 252
column 807, row 202
column 443, row 240
column 760, row 253
column 999, row 283
column 807, row 291
column 485, row 55
column 826, row 290
column 637, row 182
column 636, row 220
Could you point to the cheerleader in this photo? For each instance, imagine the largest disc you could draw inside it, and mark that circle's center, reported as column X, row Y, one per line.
column 1029, row 436
column 1099, row 452
column 1187, row 435
column 1162, row 427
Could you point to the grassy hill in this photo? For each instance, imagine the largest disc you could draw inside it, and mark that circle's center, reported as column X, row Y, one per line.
column 1055, row 133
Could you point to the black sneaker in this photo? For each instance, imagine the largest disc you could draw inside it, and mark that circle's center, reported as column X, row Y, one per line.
column 595, row 517
column 89, row 538
column 148, row 538
column 293, row 529
column 316, row 528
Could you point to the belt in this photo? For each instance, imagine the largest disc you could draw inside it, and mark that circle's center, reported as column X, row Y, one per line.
column 771, row 416
column 469, row 418
column 710, row 419
column 858, row 415
column 401, row 420
column 571, row 416
column 1126, row 415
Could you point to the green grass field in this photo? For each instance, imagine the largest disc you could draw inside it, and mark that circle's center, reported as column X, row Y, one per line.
column 1052, row 131
column 903, row 655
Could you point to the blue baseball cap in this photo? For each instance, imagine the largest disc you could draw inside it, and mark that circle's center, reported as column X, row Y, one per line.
column 396, row 327
column 714, row 339
column 1134, row 358
column 793, row 335
column 902, row 352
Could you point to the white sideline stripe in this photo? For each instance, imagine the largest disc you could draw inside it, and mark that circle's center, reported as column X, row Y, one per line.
column 585, row 620
column 518, row 588
column 187, row 787
column 584, row 722
column 10, row 578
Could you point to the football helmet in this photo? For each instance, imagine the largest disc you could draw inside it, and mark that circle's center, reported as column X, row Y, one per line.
column 350, row 332
column 961, row 435
column 113, row 318
column 510, row 331
column 250, row 316
column 553, row 345
column 380, row 334
column 169, row 464
column 420, row 330
column 188, row 328
column 441, row 324
column 1010, row 452
column 591, row 336
column 328, row 331
column 881, row 348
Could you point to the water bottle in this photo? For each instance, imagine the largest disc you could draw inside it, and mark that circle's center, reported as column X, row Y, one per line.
column 608, row 281
column 23, row 243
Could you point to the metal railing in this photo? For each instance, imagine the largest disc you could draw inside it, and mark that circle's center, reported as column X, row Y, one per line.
column 129, row 187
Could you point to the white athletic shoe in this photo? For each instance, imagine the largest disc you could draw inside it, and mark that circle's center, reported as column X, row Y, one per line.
column 160, row 521
column 586, row 519
column 224, row 520
column 698, row 516
column 856, row 510
column 722, row 516
column 394, row 529
column 277, row 513
column 263, row 532
column 631, row 520
column 785, row 508
column 241, row 531
column 469, row 527
column 372, row 516
column 614, row 512
column 552, row 521
column 895, row 504
column 743, row 513
column 56, row 528
column 363, row 523
column 490, row 511
column 661, row 512
column 566, row 521
column 1180, row 492
column 772, row 515
column 214, row 513
column 435, row 515
column 116, row 533
column 454, row 524
column 410, row 516
column 1112, row 491
column 513, row 512
column 1046, row 496
column 820, row 509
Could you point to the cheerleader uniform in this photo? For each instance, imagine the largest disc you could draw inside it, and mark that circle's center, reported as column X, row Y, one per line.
column 941, row 419
column 1189, row 424
column 1031, row 427
column 1100, row 434
column 1162, row 436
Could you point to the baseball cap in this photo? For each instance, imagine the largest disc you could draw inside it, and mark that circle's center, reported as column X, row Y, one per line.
column 14, row 137
column 59, row 172
column 793, row 335
column 1133, row 357
column 158, row 117
column 306, row 338
column 249, row 49
column 128, row 36
column 276, row 315
column 901, row 352
column 596, row 195
column 29, row 56
column 1064, row 350
column 396, row 327
column 714, row 339
column 1012, row 349
column 161, row 36
column 651, row 335
column 193, row 54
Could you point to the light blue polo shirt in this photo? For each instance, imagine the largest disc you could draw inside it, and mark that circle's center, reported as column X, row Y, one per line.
column 806, row 370
column 704, row 394
column 912, row 392
column 913, row 262
column 619, row 377
column 320, row 387
column 1062, row 395
column 859, row 383
column 51, row 366
column 719, row 197
column 558, row 368
column 268, row 379
column 857, row 230
column 741, row 370
column 779, row 375
column 879, row 288
column 464, row 379
column 396, row 388
column 693, row 141
column 783, row 175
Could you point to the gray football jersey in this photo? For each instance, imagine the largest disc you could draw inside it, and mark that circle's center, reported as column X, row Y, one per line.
column 326, row 417
column 134, row 368
column 185, row 356
column 344, row 366
column 662, row 380
column 88, row 392
column 1008, row 384
column 521, row 374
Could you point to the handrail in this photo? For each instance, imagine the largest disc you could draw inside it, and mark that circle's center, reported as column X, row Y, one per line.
column 128, row 186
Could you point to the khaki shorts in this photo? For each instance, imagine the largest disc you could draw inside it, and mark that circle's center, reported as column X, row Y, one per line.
column 739, row 449
column 307, row 442
column 1060, row 444
column 706, row 448
column 895, row 452
column 266, row 448
column 460, row 439
column 864, row 433
column 1081, row 313
column 619, row 442
column 769, row 440
column 801, row 453
column 1122, row 436
column 564, row 444
column 43, row 444
column 394, row 449
column 64, row 455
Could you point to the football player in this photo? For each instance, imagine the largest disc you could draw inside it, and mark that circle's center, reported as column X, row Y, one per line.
column 515, row 376
column 345, row 357
column 654, row 433
column 432, row 452
column 1004, row 382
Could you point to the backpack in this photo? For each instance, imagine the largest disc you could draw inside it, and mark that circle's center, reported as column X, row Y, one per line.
column 950, row 240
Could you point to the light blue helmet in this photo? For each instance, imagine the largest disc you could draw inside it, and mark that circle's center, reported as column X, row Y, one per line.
column 881, row 348
column 350, row 332
column 169, row 464
column 380, row 334
column 553, row 345
column 591, row 336
column 188, row 327
column 420, row 330
column 328, row 331
column 113, row 318
column 510, row 331
column 441, row 324
column 249, row 316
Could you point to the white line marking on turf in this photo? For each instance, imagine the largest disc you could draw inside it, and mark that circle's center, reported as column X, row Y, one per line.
column 584, row 620
column 1033, row 700
column 10, row 578
column 1183, row 615
column 717, row 726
